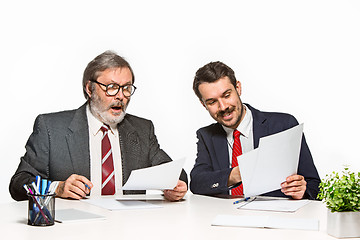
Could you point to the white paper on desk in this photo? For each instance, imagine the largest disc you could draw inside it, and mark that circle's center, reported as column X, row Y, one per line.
column 75, row 215
column 160, row 177
column 286, row 205
column 113, row 204
column 277, row 157
column 266, row 222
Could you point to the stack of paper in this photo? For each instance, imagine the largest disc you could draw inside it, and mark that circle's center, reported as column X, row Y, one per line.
column 266, row 222
column 266, row 167
column 75, row 215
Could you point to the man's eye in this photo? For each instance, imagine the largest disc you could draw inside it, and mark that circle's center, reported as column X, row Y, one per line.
column 127, row 88
column 113, row 86
column 211, row 103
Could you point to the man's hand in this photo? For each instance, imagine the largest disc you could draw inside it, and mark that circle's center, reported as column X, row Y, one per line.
column 234, row 176
column 177, row 193
column 294, row 186
column 74, row 187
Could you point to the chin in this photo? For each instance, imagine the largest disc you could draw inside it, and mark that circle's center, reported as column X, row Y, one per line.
column 113, row 119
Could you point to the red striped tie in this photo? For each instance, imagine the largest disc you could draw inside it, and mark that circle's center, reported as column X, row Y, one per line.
column 236, row 151
column 108, row 177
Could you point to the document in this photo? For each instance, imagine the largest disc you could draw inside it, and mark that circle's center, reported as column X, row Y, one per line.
column 266, row 222
column 266, row 167
column 160, row 177
column 114, row 204
column 277, row 205
column 75, row 215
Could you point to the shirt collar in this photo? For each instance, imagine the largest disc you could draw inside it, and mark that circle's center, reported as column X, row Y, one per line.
column 244, row 127
column 94, row 123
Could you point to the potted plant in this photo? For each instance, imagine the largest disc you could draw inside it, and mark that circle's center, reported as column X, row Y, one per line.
column 341, row 194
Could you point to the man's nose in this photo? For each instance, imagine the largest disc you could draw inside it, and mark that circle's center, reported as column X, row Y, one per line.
column 120, row 94
column 222, row 105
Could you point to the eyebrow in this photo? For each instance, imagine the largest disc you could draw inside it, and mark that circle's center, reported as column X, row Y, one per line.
column 224, row 93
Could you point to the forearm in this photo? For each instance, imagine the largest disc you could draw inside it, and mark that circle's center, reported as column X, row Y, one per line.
column 209, row 182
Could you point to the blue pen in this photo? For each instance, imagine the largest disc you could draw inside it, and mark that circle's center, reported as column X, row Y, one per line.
column 241, row 200
column 47, row 187
column 43, row 186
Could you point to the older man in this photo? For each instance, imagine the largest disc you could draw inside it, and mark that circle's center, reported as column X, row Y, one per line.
column 96, row 146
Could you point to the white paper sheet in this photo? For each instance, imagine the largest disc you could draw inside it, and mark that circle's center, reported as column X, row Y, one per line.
column 75, row 215
column 286, row 205
column 113, row 204
column 266, row 222
column 160, row 177
column 277, row 157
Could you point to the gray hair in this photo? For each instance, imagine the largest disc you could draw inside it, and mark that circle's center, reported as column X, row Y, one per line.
column 106, row 60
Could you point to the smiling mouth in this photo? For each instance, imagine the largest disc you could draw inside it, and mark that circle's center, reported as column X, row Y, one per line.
column 226, row 114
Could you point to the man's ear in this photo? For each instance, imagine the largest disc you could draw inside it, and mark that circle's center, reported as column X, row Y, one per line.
column 88, row 89
column 238, row 87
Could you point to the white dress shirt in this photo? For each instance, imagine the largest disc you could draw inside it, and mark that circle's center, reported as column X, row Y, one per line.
column 95, row 136
column 246, row 137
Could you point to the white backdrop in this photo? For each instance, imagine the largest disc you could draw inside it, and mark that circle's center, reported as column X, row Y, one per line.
column 300, row 57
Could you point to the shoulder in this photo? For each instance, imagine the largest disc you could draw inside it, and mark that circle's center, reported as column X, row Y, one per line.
column 62, row 118
column 137, row 124
column 277, row 120
column 135, row 120
column 210, row 130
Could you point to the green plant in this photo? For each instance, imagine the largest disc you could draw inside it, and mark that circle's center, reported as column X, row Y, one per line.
column 341, row 192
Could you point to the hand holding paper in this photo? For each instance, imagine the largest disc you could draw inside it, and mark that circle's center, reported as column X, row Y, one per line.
column 160, row 177
column 294, row 186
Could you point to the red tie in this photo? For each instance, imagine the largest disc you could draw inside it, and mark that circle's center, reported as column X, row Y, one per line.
column 108, row 177
column 236, row 151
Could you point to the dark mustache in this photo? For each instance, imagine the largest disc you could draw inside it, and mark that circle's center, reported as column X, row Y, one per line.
column 227, row 110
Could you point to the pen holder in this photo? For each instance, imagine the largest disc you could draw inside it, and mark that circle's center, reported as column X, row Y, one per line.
column 41, row 210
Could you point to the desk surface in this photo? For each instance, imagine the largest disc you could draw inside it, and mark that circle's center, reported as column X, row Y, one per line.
column 188, row 219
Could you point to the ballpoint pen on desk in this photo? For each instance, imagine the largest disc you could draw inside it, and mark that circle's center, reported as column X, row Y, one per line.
column 247, row 199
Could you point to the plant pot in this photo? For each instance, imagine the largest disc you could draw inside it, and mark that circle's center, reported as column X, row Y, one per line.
column 343, row 224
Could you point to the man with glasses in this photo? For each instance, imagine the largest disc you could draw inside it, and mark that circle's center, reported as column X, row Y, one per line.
column 96, row 146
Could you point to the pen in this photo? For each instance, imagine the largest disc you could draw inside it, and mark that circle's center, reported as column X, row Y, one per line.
column 35, row 188
column 242, row 200
column 38, row 184
column 47, row 187
column 43, row 186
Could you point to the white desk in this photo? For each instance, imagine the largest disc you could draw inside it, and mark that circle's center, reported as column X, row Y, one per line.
column 189, row 219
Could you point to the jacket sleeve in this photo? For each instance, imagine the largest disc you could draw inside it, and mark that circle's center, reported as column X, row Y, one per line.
column 205, row 177
column 34, row 162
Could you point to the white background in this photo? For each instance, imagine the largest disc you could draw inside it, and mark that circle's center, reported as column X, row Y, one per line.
column 300, row 57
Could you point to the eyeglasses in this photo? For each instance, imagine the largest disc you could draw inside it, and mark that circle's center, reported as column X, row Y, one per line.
column 113, row 88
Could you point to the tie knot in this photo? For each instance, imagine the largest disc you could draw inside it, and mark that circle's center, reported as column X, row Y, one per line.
column 236, row 133
column 104, row 128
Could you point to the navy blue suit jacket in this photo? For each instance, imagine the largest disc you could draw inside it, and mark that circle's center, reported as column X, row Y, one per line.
column 211, row 170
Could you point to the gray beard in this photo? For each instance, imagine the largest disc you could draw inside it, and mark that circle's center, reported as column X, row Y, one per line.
column 103, row 115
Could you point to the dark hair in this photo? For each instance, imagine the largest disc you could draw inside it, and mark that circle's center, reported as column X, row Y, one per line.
column 210, row 73
column 106, row 60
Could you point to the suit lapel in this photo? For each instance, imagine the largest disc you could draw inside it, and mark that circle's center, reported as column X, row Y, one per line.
column 260, row 125
column 220, row 145
column 78, row 142
column 130, row 148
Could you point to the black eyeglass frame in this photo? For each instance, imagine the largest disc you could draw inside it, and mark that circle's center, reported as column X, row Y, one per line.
column 120, row 87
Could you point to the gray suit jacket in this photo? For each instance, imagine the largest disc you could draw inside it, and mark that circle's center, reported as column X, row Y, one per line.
column 59, row 147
